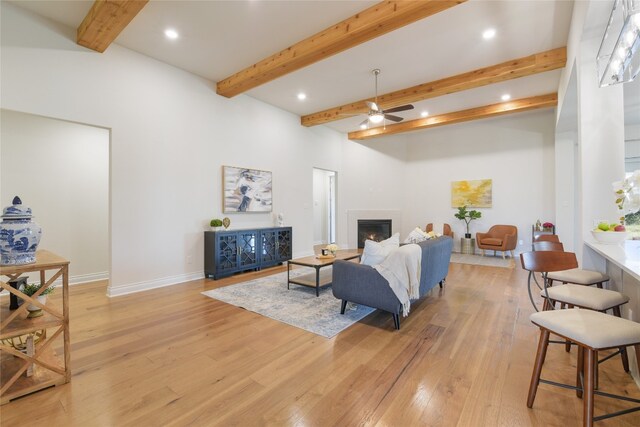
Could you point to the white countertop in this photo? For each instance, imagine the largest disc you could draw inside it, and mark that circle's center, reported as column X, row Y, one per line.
column 625, row 256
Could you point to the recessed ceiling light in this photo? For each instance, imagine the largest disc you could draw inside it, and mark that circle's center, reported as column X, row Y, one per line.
column 363, row 126
column 424, row 113
column 170, row 33
column 302, row 96
column 506, row 97
column 489, row 33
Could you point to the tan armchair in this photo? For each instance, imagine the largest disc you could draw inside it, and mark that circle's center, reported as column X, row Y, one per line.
column 446, row 229
column 498, row 238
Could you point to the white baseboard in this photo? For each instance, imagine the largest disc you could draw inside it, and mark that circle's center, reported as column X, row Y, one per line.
column 116, row 291
column 85, row 278
column 73, row 280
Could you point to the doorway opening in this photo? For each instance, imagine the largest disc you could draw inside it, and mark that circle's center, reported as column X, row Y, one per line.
column 324, row 206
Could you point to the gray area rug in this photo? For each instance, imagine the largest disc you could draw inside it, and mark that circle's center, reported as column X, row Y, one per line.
column 297, row 307
column 489, row 260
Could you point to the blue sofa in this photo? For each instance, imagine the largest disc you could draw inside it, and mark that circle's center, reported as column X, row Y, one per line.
column 362, row 284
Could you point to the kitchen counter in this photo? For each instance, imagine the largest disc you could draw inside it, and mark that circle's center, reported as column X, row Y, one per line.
column 626, row 257
column 622, row 263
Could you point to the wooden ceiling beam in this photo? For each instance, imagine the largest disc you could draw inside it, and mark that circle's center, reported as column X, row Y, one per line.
column 494, row 110
column 521, row 67
column 366, row 25
column 105, row 20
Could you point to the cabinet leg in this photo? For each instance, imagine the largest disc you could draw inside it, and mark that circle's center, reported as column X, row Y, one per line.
column 30, row 353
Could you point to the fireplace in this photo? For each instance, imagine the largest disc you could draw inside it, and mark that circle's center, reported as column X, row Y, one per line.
column 373, row 229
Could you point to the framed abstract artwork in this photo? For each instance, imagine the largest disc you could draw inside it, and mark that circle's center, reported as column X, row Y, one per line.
column 473, row 194
column 246, row 190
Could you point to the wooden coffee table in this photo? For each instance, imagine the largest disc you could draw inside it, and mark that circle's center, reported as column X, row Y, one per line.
column 319, row 279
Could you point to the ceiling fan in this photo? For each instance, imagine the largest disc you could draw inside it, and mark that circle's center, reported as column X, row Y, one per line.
column 376, row 114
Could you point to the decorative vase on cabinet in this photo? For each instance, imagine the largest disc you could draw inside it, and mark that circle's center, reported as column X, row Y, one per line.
column 19, row 235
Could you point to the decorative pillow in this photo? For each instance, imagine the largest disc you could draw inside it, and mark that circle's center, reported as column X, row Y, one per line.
column 417, row 235
column 375, row 252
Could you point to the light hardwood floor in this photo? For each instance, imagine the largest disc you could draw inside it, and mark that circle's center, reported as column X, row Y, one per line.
column 173, row 357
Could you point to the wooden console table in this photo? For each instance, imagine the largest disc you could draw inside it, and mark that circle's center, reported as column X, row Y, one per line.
column 46, row 368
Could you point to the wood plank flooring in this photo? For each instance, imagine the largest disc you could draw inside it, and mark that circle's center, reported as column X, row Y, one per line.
column 173, row 357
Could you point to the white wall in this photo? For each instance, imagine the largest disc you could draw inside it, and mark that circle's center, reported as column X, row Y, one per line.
column 170, row 135
column 516, row 152
column 371, row 178
column 320, row 206
column 61, row 171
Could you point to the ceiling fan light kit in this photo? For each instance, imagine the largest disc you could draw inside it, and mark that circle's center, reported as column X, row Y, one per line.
column 377, row 115
column 618, row 59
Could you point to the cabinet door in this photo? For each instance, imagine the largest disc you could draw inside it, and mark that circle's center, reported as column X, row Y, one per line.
column 247, row 249
column 268, row 248
column 226, row 253
column 284, row 245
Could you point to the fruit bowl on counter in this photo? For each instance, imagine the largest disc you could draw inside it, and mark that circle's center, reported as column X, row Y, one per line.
column 610, row 234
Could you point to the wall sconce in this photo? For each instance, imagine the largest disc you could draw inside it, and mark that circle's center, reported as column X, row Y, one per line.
column 618, row 58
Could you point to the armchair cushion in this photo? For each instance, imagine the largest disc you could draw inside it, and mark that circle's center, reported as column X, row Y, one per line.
column 492, row 241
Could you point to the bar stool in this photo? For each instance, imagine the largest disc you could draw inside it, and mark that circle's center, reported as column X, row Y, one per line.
column 574, row 295
column 592, row 331
column 591, row 299
column 547, row 238
column 576, row 276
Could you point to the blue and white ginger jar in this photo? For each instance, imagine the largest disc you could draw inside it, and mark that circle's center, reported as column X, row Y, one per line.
column 19, row 235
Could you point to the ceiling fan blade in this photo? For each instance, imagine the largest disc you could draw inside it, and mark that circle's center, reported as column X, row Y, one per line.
column 393, row 118
column 373, row 106
column 400, row 108
column 364, row 123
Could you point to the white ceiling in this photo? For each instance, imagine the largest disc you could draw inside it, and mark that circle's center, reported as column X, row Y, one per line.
column 219, row 38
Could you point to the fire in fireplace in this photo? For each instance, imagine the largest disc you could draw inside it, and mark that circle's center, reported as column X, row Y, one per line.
column 373, row 229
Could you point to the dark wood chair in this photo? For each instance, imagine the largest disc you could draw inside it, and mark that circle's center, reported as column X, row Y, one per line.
column 546, row 245
column 547, row 238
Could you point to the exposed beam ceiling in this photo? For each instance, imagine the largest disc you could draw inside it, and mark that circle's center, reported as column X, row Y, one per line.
column 366, row 25
column 105, row 20
column 526, row 66
column 516, row 106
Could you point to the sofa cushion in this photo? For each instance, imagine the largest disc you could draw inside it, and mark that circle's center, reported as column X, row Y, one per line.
column 375, row 252
column 492, row 241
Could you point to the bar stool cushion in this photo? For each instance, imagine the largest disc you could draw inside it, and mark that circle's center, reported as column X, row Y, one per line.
column 591, row 328
column 586, row 296
column 579, row 276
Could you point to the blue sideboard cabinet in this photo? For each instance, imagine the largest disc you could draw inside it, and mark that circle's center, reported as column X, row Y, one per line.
column 228, row 252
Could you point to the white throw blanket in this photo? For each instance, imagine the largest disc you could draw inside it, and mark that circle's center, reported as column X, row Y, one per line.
column 401, row 268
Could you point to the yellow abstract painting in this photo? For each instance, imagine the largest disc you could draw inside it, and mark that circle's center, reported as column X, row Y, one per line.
column 474, row 194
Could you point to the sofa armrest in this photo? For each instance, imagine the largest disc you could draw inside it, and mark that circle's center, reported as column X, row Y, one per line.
column 362, row 284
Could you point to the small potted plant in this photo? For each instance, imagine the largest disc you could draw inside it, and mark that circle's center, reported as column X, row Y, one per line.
column 29, row 290
column 215, row 224
column 467, row 216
